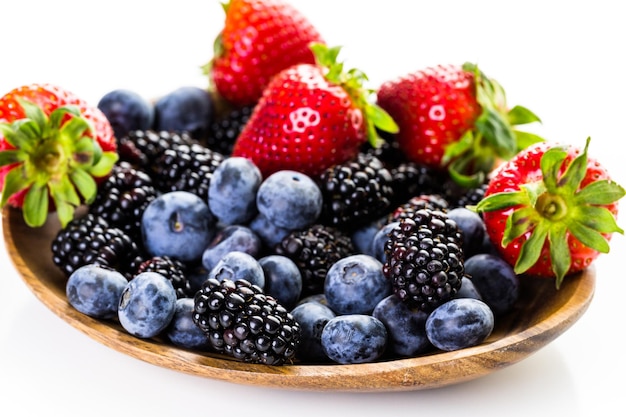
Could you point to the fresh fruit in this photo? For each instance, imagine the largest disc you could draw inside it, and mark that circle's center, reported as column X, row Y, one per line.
column 143, row 148
column 54, row 148
column 355, row 284
column 95, row 290
column 233, row 189
column 290, row 199
column 172, row 269
column 89, row 240
column 230, row 238
column 182, row 331
column 311, row 117
column 312, row 317
column 187, row 109
column 177, row 224
column 424, row 259
column 472, row 228
column 126, row 110
column 237, row 265
column 225, row 129
column 406, row 327
column 354, row 338
column 355, row 192
column 244, row 323
column 459, row 323
column 551, row 210
column 259, row 39
column 147, row 305
column 495, row 280
column 283, row 279
column 454, row 117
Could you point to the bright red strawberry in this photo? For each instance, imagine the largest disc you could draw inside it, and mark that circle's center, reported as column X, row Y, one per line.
column 259, row 39
column 455, row 117
column 310, row 117
column 551, row 210
column 54, row 147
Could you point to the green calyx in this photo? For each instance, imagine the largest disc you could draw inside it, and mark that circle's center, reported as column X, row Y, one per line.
column 53, row 159
column 494, row 136
column 555, row 207
column 353, row 82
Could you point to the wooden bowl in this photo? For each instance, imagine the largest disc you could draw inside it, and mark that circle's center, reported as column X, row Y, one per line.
column 542, row 315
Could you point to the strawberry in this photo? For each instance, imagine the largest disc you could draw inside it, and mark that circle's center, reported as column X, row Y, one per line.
column 54, row 148
column 259, row 39
column 551, row 210
column 310, row 117
column 454, row 117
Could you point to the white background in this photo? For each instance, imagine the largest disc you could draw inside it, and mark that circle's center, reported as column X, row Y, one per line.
column 564, row 60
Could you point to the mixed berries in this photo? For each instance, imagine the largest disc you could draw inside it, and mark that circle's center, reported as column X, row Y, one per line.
column 289, row 214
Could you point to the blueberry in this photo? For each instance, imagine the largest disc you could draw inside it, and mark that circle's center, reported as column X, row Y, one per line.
column 354, row 338
column 290, row 199
column 312, row 318
column 187, row 109
column 95, row 291
column 177, row 224
column 472, row 227
column 182, row 331
column 406, row 328
column 283, row 279
column 228, row 239
column 196, row 276
column 270, row 234
column 126, row 111
column 232, row 190
column 147, row 305
column 380, row 238
column 363, row 236
column 459, row 323
column 355, row 284
column 239, row 265
column 467, row 290
column 495, row 280
column 314, row 298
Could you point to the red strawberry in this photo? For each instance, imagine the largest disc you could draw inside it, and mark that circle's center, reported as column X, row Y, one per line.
column 259, row 39
column 310, row 117
column 551, row 210
column 455, row 117
column 54, row 148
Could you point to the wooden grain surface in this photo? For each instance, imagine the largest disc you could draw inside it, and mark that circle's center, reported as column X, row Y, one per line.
column 542, row 314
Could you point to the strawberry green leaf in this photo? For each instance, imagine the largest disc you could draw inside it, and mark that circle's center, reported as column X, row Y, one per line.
column 503, row 200
column 35, row 209
column 560, row 256
column 11, row 156
column 381, row 119
column 550, row 164
column 35, row 114
column 521, row 221
column 14, row 182
column 531, row 248
column 525, row 139
column 85, row 184
column 597, row 218
column 520, row 115
column 497, row 133
column 600, row 193
column 104, row 165
column 575, row 173
column 458, row 148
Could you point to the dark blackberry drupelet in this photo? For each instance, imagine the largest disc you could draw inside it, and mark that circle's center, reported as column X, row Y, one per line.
column 186, row 168
column 410, row 179
column 172, row 269
column 123, row 197
column 90, row 240
column 244, row 323
column 142, row 148
column 416, row 203
column 314, row 250
column 458, row 196
column 224, row 131
column 424, row 259
column 355, row 192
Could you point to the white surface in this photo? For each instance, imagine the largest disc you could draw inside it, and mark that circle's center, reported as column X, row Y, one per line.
column 561, row 59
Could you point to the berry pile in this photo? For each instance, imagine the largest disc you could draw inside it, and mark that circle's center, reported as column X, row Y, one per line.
column 289, row 215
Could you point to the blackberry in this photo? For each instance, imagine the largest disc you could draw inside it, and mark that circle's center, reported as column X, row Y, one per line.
column 90, row 240
column 416, row 203
column 410, row 179
column 355, row 193
column 123, row 197
column 224, row 131
column 185, row 167
column 424, row 259
column 459, row 196
column 172, row 269
column 244, row 323
column 314, row 250
column 142, row 148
